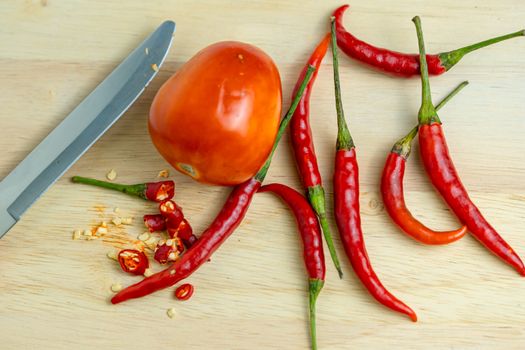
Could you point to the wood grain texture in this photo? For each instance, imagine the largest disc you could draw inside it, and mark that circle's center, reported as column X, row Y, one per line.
column 54, row 291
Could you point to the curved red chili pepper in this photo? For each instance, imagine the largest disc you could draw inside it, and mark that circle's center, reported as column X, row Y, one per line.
column 312, row 244
column 393, row 196
column 440, row 168
column 403, row 64
column 346, row 205
column 220, row 229
column 153, row 191
column 304, row 151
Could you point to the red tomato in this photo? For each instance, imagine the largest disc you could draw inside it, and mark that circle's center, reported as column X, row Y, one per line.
column 216, row 118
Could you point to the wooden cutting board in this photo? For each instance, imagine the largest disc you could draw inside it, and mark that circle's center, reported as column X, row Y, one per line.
column 54, row 291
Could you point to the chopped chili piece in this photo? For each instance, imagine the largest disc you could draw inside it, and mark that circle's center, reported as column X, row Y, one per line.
column 160, row 191
column 168, row 251
column 184, row 232
column 133, row 261
column 184, row 292
column 155, row 222
column 220, row 229
column 171, row 212
column 153, row 191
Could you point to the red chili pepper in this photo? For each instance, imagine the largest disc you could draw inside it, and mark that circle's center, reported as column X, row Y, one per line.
column 312, row 244
column 403, row 64
column 155, row 222
column 168, row 251
column 303, row 146
column 184, row 232
column 346, row 205
column 392, row 191
column 133, row 261
column 153, row 191
column 220, row 229
column 440, row 168
column 184, row 292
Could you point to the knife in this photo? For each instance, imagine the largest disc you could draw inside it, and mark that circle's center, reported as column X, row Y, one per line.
column 82, row 127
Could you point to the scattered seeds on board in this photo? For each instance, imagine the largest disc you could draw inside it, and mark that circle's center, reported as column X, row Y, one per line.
column 171, row 312
column 116, row 210
column 144, row 237
column 88, row 233
column 117, row 221
column 148, row 273
column 151, row 242
column 112, row 255
column 146, row 50
column 127, row 220
column 101, row 230
column 77, row 234
column 116, row 287
column 164, row 173
column 112, row 175
column 155, row 67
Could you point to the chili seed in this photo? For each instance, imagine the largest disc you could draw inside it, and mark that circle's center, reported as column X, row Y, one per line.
column 111, row 175
column 171, row 312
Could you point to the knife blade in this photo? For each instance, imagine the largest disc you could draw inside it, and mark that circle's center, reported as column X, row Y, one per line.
column 82, row 127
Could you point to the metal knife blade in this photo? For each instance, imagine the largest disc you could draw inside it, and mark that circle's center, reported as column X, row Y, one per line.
column 82, row 127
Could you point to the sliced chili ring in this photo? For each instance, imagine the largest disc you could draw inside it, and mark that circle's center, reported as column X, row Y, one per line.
column 133, row 261
column 184, row 292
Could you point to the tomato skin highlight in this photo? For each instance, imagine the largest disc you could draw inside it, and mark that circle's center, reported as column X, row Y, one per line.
column 216, row 118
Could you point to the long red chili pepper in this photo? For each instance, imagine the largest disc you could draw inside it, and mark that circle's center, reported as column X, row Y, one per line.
column 346, row 205
column 153, row 191
column 220, row 229
column 303, row 146
column 440, row 168
column 403, row 64
column 312, row 244
column 393, row 196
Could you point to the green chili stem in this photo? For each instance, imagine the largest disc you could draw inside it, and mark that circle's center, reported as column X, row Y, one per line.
column 315, row 286
column 451, row 95
column 137, row 190
column 316, row 197
column 427, row 112
column 404, row 145
column 344, row 138
column 261, row 174
column 450, row 58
